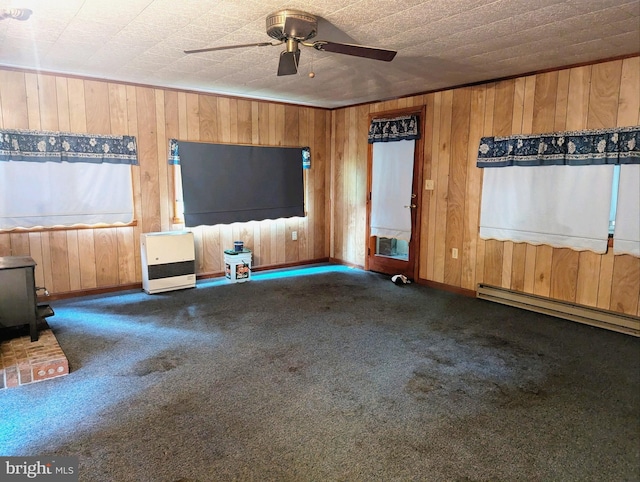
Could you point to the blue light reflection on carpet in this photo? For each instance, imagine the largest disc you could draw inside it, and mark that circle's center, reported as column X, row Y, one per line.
column 285, row 273
column 36, row 412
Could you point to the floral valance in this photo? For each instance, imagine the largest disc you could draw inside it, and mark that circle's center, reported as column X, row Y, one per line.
column 579, row 148
column 174, row 157
column 44, row 146
column 396, row 129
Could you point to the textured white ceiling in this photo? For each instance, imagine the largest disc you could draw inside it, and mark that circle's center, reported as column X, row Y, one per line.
column 440, row 43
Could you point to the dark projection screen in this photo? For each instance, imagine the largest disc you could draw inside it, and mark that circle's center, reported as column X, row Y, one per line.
column 223, row 183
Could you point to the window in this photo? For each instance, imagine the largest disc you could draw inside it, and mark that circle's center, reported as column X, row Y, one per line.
column 565, row 189
column 562, row 206
column 225, row 183
column 50, row 179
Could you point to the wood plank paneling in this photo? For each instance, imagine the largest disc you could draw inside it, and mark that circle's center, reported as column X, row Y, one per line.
column 77, row 106
column 442, row 185
column 62, row 95
column 118, row 108
column 427, row 196
column 460, row 118
column 33, row 101
column 578, row 98
column 435, row 100
column 20, row 244
column 544, row 102
column 48, row 101
column 321, row 168
column 47, row 266
column 244, row 123
column 493, row 255
column 208, row 115
column 564, row 274
column 74, row 260
column 13, row 93
column 96, row 96
column 350, row 187
column 87, row 254
column 5, row 244
column 471, row 218
column 594, row 96
column 360, row 153
column 605, row 280
column 507, row 264
column 126, row 255
column 106, row 249
column 338, row 190
column 213, row 257
column 625, row 292
column 587, row 278
column 518, row 266
column 148, row 159
column 165, row 186
column 629, row 99
column 601, row 95
column 35, row 251
column 58, row 252
column 84, row 259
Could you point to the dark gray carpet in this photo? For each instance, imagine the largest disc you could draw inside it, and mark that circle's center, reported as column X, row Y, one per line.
column 326, row 374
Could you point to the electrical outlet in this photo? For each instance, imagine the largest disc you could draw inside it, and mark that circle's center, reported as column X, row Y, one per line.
column 294, row 235
column 454, row 253
column 429, row 185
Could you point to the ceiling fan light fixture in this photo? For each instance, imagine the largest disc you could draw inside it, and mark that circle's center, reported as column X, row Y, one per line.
column 294, row 28
column 15, row 13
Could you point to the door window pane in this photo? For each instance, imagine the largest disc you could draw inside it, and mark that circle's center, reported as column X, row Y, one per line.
column 392, row 248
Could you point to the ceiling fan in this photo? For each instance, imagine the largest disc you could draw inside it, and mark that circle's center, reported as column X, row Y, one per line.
column 294, row 28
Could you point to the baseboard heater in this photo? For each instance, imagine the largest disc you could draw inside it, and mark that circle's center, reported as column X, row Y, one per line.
column 609, row 320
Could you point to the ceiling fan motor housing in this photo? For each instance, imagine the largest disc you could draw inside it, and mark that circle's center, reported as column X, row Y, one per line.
column 301, row 26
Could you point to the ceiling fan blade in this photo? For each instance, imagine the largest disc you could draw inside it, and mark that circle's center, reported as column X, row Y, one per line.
column 288, row 64
column 355, row 50
column 229, row 47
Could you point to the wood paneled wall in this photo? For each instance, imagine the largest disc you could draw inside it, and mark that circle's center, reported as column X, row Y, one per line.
column 601, row 95
column 80, row 260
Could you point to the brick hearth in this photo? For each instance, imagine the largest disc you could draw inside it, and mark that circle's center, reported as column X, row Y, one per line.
column 23, row 361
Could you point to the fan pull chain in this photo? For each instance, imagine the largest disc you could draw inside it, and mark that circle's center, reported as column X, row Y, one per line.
column 312, row 74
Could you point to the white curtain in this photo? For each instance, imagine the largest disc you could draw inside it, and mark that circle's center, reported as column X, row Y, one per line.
column 562, row 206
column 626, row 238
column 392, row 179
column 48, row 194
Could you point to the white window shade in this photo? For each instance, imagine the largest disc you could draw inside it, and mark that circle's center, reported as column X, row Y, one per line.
column 52, row 179
column 391, row 187
column 46, row 194
column 626, row 238
column 558, row 205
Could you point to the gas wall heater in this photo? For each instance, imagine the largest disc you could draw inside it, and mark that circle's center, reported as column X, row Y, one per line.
column 168, row 261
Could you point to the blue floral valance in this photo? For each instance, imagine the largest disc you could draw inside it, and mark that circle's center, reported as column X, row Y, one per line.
column 43, row 146
column 174, row 157
column 396, row 129
column 579, row 148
